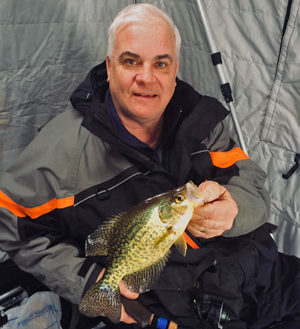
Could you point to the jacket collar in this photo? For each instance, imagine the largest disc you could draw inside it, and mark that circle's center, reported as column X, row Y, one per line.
column 93, row 87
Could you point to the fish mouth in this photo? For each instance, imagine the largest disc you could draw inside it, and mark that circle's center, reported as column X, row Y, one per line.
column 194, row 195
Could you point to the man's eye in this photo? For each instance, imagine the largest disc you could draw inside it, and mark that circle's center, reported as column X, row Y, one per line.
column 161, row 64
column 130, row 61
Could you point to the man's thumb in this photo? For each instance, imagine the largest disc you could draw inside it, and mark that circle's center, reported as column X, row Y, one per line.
column 126, row 292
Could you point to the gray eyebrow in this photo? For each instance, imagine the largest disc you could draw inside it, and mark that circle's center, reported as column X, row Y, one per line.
column 128, row 53
column 133, row 55
column 167, row 56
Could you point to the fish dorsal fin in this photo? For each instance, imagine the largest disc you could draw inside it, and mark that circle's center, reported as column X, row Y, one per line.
column 180, row 244
column 98, row 242
column 141, row 280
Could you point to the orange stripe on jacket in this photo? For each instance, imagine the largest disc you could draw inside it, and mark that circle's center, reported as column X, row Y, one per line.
column 227, row 159
column 20, row 211
column 190, row 242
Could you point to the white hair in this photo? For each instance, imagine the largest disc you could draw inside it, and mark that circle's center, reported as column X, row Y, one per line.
column 140, row 12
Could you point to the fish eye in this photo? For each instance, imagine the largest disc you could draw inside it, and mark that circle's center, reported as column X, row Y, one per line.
column 179, row 198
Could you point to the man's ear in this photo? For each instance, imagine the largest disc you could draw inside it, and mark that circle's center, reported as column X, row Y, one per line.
column 108, row 67
column 176, row 70
column 177, row 66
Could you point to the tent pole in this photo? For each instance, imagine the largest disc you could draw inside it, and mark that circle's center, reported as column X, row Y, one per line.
column 217, row 62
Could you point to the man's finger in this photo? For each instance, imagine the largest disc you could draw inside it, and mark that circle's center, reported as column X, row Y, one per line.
column 205, row 211
column 101, row 274
column 211, row 190
column 210, row 233
column 126, row 292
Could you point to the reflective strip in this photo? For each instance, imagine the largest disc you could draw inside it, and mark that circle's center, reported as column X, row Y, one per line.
column 36, row 212
column 198, row 152
column 227, row 159
column 190, row 242
column 111, row 188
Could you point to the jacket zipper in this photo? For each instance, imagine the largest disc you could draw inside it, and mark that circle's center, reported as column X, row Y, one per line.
column 287, row 16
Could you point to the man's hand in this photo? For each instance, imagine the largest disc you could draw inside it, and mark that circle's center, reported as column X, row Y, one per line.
column 126, row 293
column 217, row 215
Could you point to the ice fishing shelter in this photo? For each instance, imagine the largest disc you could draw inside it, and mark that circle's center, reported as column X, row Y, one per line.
column 47, row 48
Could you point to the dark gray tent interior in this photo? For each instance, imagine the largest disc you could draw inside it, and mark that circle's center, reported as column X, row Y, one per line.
column 47, row 48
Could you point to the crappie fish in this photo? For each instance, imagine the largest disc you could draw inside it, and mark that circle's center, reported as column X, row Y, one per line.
column 137, row 244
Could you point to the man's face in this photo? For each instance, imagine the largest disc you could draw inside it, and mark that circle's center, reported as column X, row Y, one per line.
column 142, row 73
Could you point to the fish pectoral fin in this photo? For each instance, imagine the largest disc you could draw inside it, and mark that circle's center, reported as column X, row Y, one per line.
column 164, row 237
column 180, row 244
column 102, row 300
column 140, row 281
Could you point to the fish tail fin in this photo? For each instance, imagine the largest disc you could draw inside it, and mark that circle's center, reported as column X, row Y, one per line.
column 102, row 300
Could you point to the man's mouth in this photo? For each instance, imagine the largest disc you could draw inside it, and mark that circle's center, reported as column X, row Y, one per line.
column 145, row 95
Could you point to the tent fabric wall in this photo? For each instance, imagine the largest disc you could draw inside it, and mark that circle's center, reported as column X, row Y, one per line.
column 47, row 47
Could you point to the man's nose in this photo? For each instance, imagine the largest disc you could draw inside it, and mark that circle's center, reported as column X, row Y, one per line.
column 146, row 74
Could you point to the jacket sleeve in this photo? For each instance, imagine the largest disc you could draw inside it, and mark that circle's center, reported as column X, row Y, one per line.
column 242, row 178
column 34, row 193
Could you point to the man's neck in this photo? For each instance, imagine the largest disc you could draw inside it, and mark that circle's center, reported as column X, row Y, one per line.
column 148, row 133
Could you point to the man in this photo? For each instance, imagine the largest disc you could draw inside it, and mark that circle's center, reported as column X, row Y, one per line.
column 135, row 131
